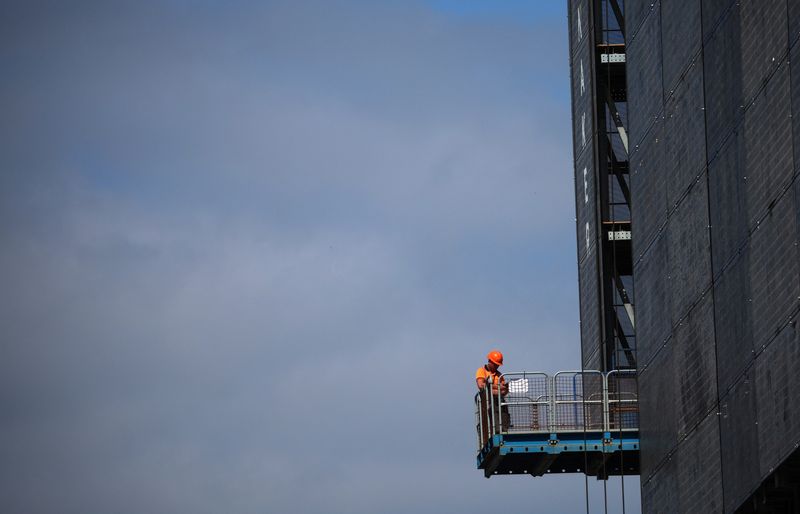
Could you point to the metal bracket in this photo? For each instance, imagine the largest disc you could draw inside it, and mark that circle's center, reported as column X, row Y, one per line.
column 612, row 58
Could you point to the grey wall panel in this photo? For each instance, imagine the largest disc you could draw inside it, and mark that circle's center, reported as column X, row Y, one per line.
column 681, row 34
column 645, row 98
column 733, row 323
column 700, row 475
column 660, row 493
column 689, row 257
column 728, row 203
column 723, row 80
column 774, row 280
column 684, row 133
column 658, row 401
column 695, row 366
column 739, row 442
column 648, row 189
column 777, row 389
column 767, row 154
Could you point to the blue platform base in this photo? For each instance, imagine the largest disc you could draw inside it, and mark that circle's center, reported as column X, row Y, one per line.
column 600, row 454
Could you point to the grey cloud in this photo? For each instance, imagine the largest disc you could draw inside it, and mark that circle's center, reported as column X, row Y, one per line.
column 252, row 254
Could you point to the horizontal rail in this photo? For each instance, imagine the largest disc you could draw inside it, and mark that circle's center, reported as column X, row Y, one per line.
column 566, row 402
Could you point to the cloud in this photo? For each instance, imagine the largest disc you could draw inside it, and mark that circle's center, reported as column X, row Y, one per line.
column 251, row 254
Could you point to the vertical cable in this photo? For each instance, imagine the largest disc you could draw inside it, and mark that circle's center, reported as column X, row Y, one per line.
column 610, row 194
column 585, row 446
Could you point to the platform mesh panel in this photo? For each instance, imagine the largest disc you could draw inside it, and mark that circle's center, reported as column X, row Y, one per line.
column 527, row 404
column 623, row 407
column 579, row 402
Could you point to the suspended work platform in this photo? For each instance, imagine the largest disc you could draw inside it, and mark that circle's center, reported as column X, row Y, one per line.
column 571, row 422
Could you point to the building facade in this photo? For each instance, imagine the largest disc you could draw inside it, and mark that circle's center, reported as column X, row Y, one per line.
column 712, row 128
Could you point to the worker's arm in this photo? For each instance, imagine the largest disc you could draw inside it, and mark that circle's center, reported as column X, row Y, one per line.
column 503, row 388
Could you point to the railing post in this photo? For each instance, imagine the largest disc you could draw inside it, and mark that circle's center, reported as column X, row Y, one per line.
column 606, row 422
column 551, row 395
column 492, row 424
column 479, row 410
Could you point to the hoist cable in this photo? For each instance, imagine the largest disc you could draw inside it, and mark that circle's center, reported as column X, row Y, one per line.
column 609, row 197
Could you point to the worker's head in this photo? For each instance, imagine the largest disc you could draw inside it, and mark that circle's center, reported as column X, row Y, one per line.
column 495, row 358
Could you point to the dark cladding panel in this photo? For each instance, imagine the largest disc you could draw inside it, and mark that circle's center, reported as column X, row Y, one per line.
column 652, row 300
column 778, row 388
column 794, row 73
column 764, row 37
column 713, row 10
column 700, row 477
column 658, row 401
column 715, row 235
column 689, row 255
column 733, row 323
column 582, row 51
column 645, row 98
column 678, row 387
column 794, row 21
column 590, row 310
column 680, row 33
column 582, row 107
column 635, row 14
column 723, row 79
column 695, row 365
column 684, row 133
column 690, row 479
column 648, row 190
column 768, row 145
column 660, row 492
column 739, row 442
column 579, row 26
column 774, row 280
column 740, row 55
column 728, row 204
column 582, row 46
column 585, row 204
column 796, row 188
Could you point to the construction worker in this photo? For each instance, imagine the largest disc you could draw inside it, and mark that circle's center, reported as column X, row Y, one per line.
column 486, row 373
column 490, row 370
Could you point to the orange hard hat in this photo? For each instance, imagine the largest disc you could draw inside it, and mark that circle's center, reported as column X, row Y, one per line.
column 495, row 356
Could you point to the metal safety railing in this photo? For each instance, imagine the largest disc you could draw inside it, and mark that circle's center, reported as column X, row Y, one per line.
column 568, row 401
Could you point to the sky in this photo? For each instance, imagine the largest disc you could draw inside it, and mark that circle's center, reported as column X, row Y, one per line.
column 253, row 252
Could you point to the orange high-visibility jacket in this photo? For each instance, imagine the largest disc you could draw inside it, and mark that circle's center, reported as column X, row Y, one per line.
column 485, row 374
